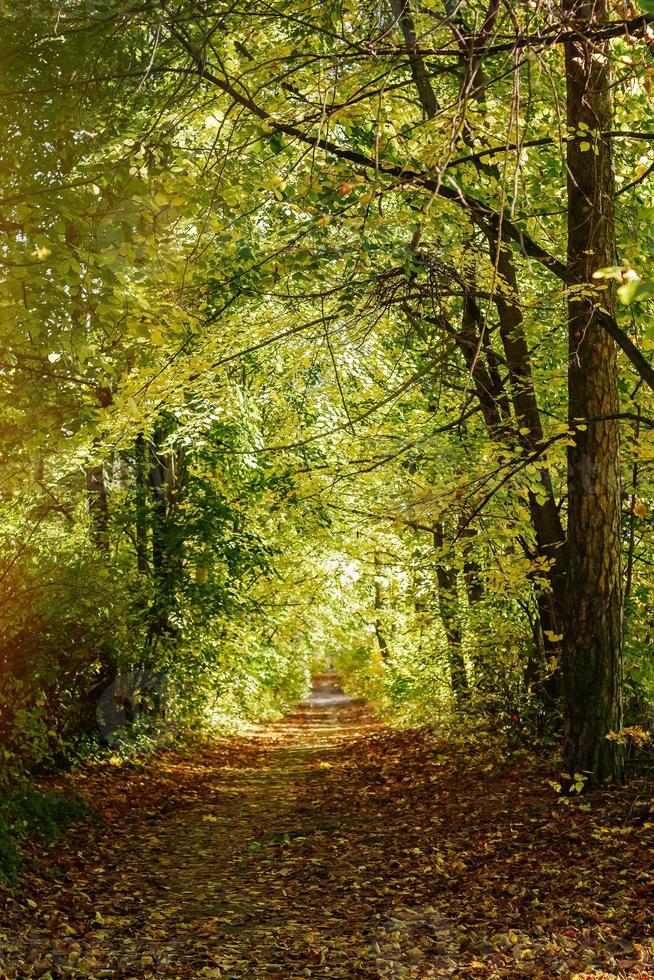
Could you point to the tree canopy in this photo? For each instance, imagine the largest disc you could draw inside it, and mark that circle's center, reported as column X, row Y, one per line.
column 326, row 336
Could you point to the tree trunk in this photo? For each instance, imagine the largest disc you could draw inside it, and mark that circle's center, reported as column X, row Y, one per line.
column 592, row 649
column 379, row 604
column 632, row 514
column 141, row 516
column 544, row 514
column 159, row 508
column 474, row 585
column 402, row 13
column 98, row 506
column 448, row 600
column 488, row 386
column 160, row 559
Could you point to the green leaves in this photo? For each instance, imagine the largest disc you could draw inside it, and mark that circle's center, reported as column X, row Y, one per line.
column 249, row 285
column 632, row 288
column 635, row 290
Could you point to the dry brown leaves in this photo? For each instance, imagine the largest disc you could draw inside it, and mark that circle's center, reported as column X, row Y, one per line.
column 328, row 847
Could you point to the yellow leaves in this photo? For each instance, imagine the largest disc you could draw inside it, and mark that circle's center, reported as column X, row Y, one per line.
column 630, row 735
column 277, row 184
column 41, row 252
column 138, row 329
column 507, row 939
column 157, row 336
column 127, row 405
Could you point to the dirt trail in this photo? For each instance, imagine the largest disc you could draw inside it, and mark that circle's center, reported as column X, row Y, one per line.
column 212, row 886
column 329, row 846
column 233, row 864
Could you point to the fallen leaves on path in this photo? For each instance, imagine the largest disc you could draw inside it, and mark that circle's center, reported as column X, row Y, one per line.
column 329, row 847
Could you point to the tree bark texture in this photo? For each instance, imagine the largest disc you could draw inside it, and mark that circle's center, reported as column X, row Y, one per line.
column 592, row 651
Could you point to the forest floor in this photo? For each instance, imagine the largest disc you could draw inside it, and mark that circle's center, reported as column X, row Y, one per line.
column 328, row 846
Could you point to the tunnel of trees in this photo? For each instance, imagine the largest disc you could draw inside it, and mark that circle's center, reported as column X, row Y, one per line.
column 326, row 334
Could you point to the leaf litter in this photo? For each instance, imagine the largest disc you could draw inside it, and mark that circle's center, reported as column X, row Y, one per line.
column 329, row 846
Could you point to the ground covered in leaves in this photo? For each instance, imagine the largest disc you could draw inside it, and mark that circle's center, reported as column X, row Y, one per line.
column 327, row 846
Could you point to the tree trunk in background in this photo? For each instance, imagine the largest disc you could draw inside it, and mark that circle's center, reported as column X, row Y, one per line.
column 159, row 509
column 488, row 387
column 592, row 650
column 448, row 601
column 420, row 75
column 544, row 513
column 550, row 540
column 98, row 506
column 96, row 489
column 379, row 604
column 159, row 525
column 474, row 585
column 141, row 517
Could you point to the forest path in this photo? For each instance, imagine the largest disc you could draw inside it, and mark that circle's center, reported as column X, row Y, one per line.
column 256, row 867
column 329, row 846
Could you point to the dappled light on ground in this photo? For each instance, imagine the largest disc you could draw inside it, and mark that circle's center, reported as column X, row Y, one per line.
column 328, row 846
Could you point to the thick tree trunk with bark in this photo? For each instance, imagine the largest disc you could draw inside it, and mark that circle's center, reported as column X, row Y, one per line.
column 592, row 660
